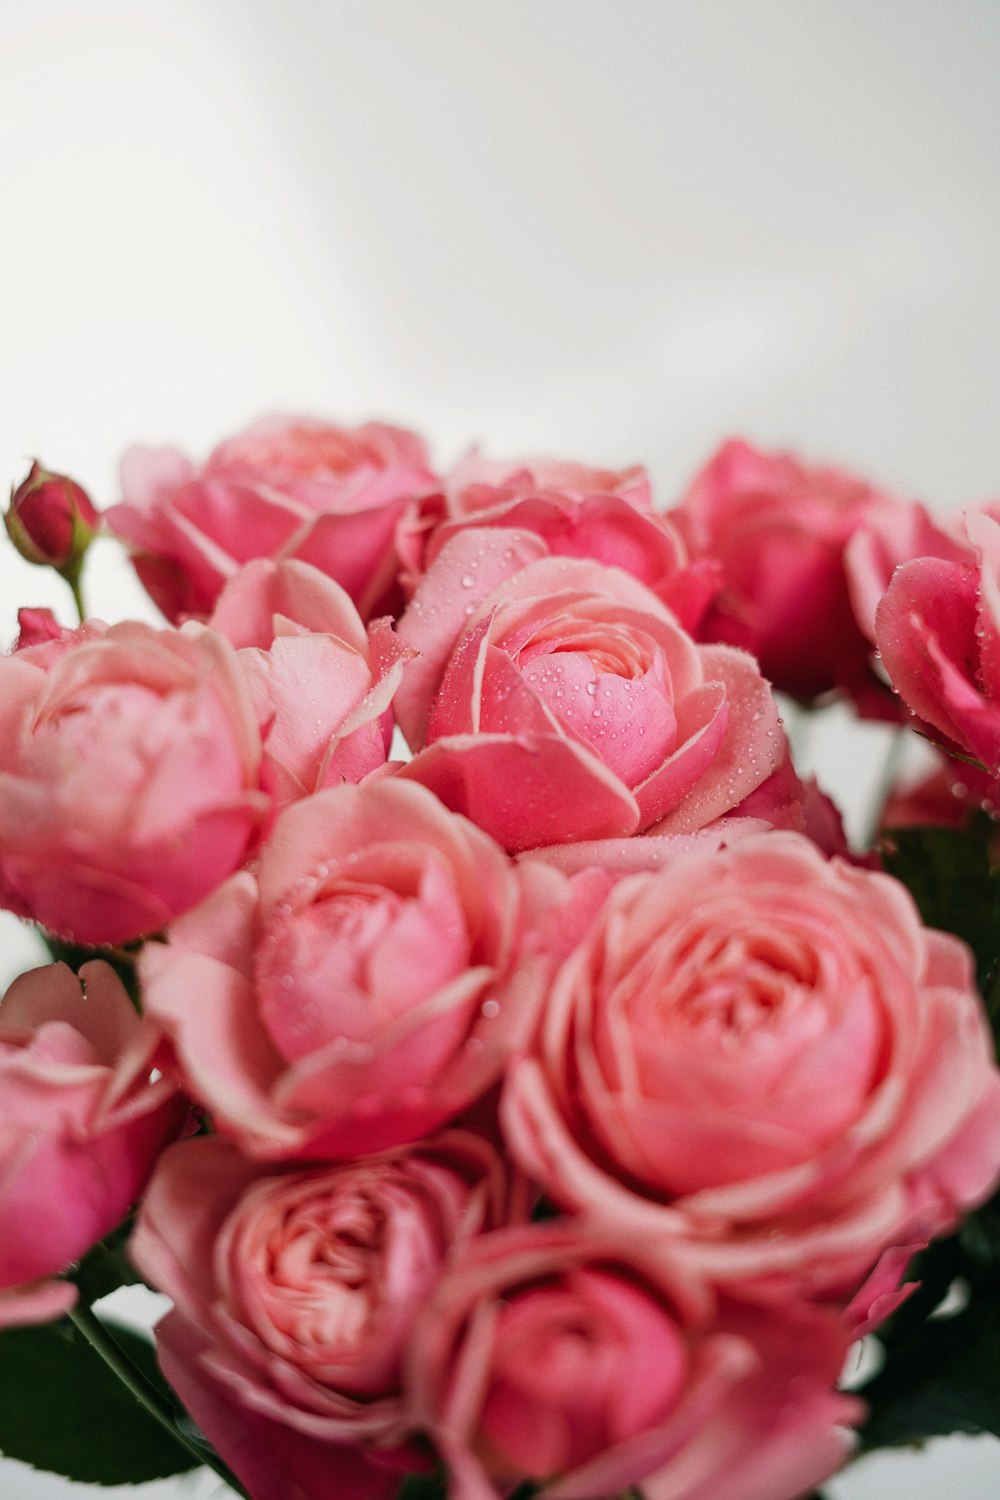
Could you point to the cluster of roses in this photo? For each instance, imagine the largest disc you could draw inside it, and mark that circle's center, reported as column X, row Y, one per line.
column 559, row 1103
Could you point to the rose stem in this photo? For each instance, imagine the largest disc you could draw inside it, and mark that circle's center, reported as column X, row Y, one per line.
column 144, row 1392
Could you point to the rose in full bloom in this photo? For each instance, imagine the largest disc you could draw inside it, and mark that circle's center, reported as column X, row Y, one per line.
column 295, row 1294
column 364, row 985
column 779, row 530
column 129, row 762
column 511, row 514
column 321, row 683
column 81, row 1121
column 766, row 1055
column 552, row 1354
column 569, row 704
column 339, row 498
column 938, row 630
column 51, row 519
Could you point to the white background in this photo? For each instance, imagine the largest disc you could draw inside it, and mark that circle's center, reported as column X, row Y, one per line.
column 609, row 229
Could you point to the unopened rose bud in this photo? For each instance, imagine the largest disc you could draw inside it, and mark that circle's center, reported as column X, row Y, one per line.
column 51, row 520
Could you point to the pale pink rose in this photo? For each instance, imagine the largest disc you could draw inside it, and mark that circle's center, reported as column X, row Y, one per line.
column 779, row 530
column 335, row 497
column 366, row 984
column 321, row 683
column 81, row 1122
column 295, row 1293
column 569, row 704
column 764, row 1060
column 551, row 1354
column 938, row 631
column 129, row 760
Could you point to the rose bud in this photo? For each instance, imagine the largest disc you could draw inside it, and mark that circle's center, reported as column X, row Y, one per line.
column 51, row 519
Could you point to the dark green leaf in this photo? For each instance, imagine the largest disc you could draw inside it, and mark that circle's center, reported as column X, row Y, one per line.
column 944, row 1379
column 62, row 1410
column 423, row 1487
column 948, row 873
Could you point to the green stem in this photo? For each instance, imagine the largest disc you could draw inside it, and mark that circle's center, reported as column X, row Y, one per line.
column 72, row 577
column 885, row 783
column 145, row 1393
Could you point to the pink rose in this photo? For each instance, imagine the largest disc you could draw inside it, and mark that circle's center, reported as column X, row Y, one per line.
column 287, row 487
column 295, row 1294
column 938, row 630
column 552, row 1354
column 475, row 483
column 764, row 1060
column 364, row 986
column 321, row 683
column 81, row 1122
column 558, row 510
column 779, row 530
column 567, row 703
column 129, row 760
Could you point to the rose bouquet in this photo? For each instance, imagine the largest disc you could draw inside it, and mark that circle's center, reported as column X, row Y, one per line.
column 461, row 1008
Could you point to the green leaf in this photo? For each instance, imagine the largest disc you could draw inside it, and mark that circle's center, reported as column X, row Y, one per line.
column 947, row 872
column 944, row 1379
column 62, row 1410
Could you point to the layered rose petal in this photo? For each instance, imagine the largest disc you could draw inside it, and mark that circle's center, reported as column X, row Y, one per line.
column 368, row 983
column 335, row 497
column 766, row 1056
column 296, row 1291
column 558, row 1355
column 572, row 706
column 778, row 530
column 321, row 683
column 129, row 763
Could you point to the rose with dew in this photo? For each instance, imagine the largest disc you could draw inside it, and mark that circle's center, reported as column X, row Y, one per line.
column 364, row 985
column 517, row 512
column 321, row 683
column 764, row 1060
column 295, row 1293
column 343, row 499
column 82, row 1118
column 938, row 631
column 558, row 1355
column 129, row 764
column 569, row 704
column 778, row 529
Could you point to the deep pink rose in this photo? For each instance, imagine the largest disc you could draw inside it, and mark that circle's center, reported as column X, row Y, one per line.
column 548, row 1353
column 364, row 986
column 81, row 1122
column 569, row 704
column 295, row 1293
column 779, row 530
column 129, row 761
column 938, row 630
column 321, row 683
column 558, row 510
column 766, row 1055
column 887, row 536
column 335, row 497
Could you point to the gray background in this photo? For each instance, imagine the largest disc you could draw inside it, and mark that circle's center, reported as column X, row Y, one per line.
column 614, row 231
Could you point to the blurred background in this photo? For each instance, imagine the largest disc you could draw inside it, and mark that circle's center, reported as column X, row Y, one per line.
column 610, row 231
